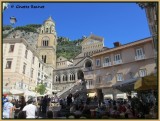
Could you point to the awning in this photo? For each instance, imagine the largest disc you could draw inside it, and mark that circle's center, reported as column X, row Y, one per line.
column 126, row 85
column 15, row 92
column 146, row 83
column 30, row 93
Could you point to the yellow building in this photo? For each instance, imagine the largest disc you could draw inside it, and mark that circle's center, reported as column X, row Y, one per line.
column 47, row 41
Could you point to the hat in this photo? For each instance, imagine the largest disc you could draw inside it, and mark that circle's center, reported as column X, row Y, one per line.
column 4, row 95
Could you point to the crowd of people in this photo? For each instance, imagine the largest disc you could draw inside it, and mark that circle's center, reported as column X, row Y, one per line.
column 74, row 107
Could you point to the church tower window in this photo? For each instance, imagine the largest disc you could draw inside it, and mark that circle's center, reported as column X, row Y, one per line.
column 46, row 30
column 45, row 43
column 44, row 58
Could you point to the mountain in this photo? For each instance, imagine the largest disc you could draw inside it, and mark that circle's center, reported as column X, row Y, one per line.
column 65, row 47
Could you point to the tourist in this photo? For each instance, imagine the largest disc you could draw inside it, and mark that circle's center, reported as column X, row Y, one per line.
column 8, row 108
column 41, row 102
column 73, row 108
column 4, row 98
column 44, row 105
column 129, row 111
column 30, row 109
column 22, row 102
column 69, row 99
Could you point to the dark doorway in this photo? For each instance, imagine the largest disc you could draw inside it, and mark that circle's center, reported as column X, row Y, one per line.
column 80, row 75
column 88, row 64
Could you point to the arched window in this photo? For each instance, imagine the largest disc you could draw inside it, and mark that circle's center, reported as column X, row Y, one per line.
column 57, row 79
column 63, row 77
column 44, row 58
column 66, row 77
column 45, row 43
column 46, row 30
column 72, row 76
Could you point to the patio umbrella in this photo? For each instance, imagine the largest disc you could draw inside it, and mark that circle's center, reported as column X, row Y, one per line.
column 146, row 83
column 15, row 92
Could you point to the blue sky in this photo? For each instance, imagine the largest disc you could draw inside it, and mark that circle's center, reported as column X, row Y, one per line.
column 123, row 22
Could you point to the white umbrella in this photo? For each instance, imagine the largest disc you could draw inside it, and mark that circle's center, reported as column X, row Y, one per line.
column 30, row 93
column 15, row 92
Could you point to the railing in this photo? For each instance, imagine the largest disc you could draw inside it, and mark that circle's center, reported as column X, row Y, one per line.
column 106, row 64
column 117, row 62
column 70, row 89
column 139, row 57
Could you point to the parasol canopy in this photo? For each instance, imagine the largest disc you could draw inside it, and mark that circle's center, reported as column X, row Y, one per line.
column 13, row 92
column 146, row 83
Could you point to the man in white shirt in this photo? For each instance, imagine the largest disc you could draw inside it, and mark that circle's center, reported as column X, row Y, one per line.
column 30, row 109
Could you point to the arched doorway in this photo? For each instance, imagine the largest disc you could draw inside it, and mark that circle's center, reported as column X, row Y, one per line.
column 80, row 75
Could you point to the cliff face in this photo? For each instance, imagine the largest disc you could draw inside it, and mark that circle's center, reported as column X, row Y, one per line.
column 31, row 37
column 66, row 47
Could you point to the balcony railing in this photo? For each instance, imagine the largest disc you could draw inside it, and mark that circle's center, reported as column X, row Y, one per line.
column 139, row 57
column 117, row 62
column 106, row 64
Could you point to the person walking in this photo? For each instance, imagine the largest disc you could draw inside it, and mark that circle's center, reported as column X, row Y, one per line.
column 30, row 109
column 69, row 99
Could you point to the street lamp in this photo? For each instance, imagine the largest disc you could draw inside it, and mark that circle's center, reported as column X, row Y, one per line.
column 13, row 20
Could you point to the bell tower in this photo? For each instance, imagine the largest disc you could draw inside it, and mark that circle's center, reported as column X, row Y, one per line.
column 47, row 41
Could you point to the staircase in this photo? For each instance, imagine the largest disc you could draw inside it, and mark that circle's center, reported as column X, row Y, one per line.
column 71, row 89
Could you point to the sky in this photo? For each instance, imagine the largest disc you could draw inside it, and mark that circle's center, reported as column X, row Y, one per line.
column 123, row 22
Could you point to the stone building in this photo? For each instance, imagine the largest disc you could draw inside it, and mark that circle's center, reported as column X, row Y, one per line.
column 22, row 67
column 46, row 43
column 122, row 65
column 100, row 67
column 66, row 75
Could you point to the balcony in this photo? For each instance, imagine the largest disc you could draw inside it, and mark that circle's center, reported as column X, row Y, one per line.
column 139, row 57
column 117, row 62
column 106, row 64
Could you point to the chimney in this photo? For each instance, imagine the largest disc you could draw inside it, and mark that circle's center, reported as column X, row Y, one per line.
column 117, row 44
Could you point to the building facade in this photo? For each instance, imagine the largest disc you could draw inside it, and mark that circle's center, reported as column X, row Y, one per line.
column 22, row 68
column 25, row 67
column 103, row 67
column 68, row 73
column 47, row 41
column 122, row 63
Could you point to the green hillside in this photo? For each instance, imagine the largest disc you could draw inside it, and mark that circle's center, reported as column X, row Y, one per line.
column 67, row 48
